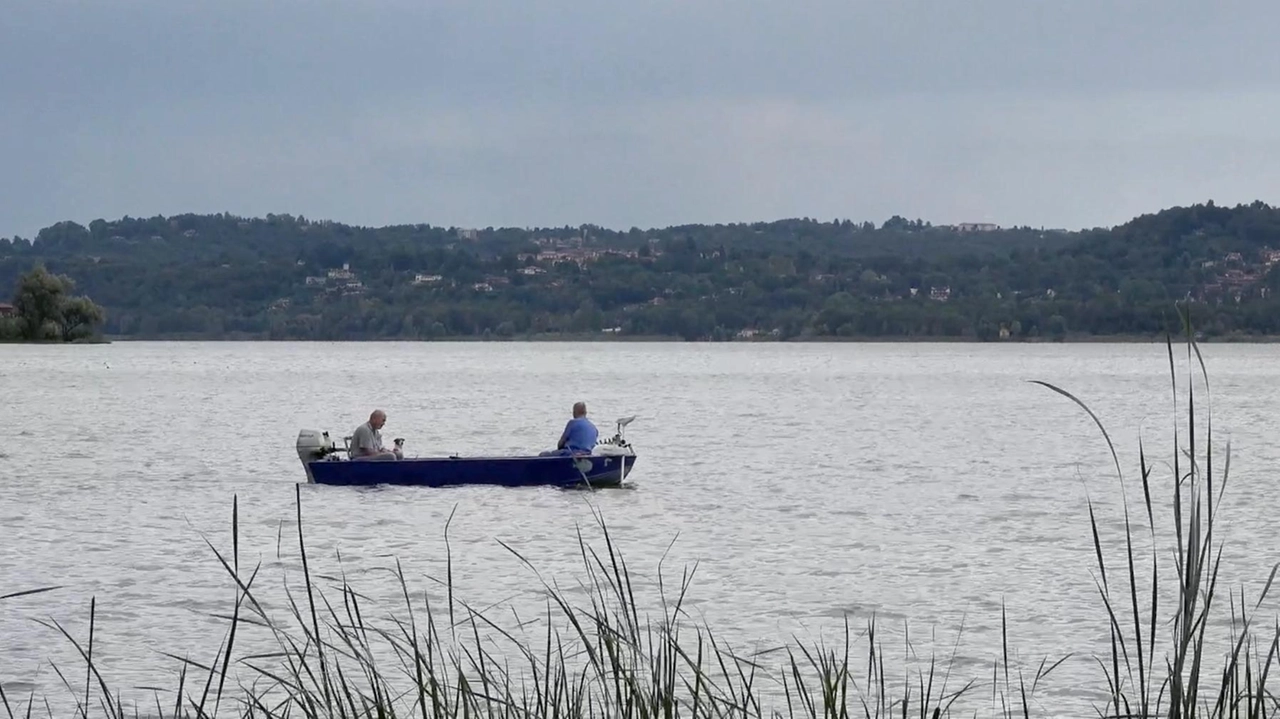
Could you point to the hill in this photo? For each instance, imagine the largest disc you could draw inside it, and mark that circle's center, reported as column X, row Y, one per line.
column 284, row 277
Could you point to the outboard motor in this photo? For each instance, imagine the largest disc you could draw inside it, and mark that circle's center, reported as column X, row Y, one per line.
column 312, row 446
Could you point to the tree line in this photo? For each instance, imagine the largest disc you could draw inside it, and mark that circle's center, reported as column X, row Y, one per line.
column 286, row 277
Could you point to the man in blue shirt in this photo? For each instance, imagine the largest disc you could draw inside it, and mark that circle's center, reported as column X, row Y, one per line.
column 579, row 436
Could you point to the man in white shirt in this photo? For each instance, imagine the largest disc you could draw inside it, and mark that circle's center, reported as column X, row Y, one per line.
column 366, row 440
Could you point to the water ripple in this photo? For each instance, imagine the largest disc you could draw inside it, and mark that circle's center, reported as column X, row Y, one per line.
column 924, row 486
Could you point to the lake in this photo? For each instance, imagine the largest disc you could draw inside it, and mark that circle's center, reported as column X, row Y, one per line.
column 922, row 484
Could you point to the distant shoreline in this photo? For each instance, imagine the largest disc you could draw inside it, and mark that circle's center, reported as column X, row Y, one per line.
column 655, row 339
column 96, row 341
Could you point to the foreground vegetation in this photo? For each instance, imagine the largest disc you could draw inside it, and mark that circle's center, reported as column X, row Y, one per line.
column 605, row 660
column 284, row 277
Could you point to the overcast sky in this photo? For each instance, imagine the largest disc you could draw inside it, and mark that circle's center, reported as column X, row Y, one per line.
column 647, row 113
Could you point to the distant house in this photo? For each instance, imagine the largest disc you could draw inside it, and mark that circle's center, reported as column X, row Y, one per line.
column 8, row 310
column 1239, row 278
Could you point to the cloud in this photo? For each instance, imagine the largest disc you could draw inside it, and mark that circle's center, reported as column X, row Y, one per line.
column 569, row 111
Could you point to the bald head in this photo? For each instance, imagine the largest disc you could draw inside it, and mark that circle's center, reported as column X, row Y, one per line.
column 579, row 409
column 377, row 419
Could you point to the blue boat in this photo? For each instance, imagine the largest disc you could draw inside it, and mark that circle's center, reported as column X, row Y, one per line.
column 608, row 465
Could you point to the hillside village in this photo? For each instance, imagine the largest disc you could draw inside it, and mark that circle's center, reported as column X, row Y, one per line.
column 1236, row 276
column 1233, row 277
column 284, row 276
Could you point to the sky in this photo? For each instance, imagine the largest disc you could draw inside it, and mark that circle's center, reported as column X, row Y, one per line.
column 477, row 113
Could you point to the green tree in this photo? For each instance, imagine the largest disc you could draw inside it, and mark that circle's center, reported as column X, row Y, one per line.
column 1057, row 326
column 587, row 318
column 48, row 311
column 80, row 317
column 38, row 301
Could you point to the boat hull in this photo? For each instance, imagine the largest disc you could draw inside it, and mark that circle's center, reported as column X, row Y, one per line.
column 560, row 471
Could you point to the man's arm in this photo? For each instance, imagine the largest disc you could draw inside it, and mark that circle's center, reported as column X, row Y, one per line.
column 564, row 437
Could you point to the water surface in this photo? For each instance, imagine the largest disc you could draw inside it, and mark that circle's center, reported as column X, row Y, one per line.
column 927, row 484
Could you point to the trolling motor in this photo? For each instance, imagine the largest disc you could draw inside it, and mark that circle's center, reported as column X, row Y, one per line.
column 617, row 444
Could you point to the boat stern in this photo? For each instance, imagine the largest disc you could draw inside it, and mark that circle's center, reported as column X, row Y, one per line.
column 313, row 446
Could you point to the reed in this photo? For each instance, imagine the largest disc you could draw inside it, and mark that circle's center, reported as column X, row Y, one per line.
column 600, row 656
column 1178, row 687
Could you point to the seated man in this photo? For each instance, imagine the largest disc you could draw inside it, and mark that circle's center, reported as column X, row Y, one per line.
column 366, row 441
column 579, row 436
